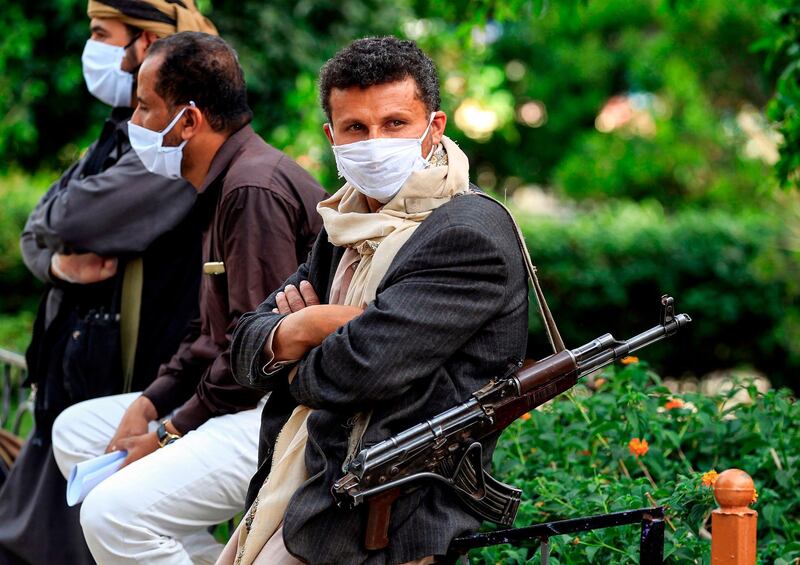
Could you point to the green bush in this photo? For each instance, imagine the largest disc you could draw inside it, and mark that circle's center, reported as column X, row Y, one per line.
column 781, row 42
column 572, row 458
column 688, row 61
column 603, row 271
column 19, row 290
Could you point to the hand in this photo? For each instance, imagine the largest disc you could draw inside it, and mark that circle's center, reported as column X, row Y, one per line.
column 292, row 300
column 138, row 447
column 134, row 423
column 83, row 268
column 302, row 331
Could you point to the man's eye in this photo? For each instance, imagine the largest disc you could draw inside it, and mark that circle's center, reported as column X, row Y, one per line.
column 397, row 123
column 355, row 127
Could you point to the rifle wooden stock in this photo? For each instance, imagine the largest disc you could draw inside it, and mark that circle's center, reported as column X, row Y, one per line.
column 380, row 511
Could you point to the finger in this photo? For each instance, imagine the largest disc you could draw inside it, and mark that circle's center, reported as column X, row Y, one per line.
column 122, row 444
column 68, row 267
column 108, row 268
column 107, row 273
column 113, row 445
column 294, row 299
column 309, row 295
column 283, row 305
column 132, row 456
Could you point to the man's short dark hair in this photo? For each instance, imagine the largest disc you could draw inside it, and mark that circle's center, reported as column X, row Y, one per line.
column 133, row 31
column 380, row 60
column 203, row 68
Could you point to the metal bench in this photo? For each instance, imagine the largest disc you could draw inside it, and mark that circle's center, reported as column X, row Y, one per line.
column 537, row 536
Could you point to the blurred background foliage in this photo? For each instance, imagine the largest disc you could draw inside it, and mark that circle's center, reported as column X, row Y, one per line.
column 640, row 144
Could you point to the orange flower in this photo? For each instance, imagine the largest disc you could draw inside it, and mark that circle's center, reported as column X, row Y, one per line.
column 526, row 416
column 638, row 447
column 599, row 382
column 576, row 540
column 629, row 360
column 755, row 497
column 674, row 403
column 710, row 478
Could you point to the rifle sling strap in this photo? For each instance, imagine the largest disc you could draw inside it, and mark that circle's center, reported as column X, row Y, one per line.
column 550, row 327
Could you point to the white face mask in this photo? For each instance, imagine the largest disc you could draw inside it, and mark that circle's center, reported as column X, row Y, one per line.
column 103, row 75
column 379, row 167
column 148, row 144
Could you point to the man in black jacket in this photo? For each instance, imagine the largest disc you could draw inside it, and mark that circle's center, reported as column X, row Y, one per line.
column 414, row 296
column 119, row 251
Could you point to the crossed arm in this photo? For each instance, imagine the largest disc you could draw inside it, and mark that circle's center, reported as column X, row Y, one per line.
column 307, row 322
column 446, row 287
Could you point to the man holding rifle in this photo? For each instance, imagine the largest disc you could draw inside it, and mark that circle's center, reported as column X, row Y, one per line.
column 413, row 297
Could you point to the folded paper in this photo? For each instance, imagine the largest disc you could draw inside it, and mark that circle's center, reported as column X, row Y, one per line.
column 88, row 474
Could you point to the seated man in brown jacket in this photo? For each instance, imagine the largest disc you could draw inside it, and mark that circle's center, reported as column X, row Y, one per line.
column 191, row 436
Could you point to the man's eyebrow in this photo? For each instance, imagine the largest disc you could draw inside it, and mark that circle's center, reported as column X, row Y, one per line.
column 397, row 115
column 97, row 29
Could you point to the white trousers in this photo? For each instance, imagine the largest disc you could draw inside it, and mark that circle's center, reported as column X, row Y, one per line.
column 157, row 510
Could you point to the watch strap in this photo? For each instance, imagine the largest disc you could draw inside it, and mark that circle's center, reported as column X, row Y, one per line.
column 164, row 436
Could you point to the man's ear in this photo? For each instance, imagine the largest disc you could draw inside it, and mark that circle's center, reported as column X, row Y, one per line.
column 328, row 129
column 142, row 45
column 193, row 122
column 147, row 39
column 437, row 126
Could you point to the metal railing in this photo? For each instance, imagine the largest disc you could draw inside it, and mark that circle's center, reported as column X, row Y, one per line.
column 651, row 539
column 13, row 372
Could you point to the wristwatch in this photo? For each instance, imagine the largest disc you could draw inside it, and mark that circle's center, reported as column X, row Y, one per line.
column 164, row 437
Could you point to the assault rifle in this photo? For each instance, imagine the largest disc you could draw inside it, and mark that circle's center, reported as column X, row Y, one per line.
column 447, row 447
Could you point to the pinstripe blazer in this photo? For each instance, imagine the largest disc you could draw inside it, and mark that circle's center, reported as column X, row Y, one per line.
column 450, row 313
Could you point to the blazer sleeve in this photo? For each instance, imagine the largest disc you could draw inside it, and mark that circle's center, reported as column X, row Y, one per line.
column 36, row 258
column 36, row 255
column 122, row 209
column 250, row 336
column 444, row 291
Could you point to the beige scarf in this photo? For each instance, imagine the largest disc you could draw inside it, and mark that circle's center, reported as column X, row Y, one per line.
column 377, row 237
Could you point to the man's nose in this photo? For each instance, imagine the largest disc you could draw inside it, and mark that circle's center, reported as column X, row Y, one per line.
column 373, row 132
column 136, row 118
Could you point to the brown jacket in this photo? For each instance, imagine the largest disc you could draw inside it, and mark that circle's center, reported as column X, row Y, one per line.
column 262, row 222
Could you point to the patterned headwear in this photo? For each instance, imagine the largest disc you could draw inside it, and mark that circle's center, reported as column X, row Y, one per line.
column 162, row 17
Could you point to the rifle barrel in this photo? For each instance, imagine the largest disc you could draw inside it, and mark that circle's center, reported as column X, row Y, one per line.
column 619, row 349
